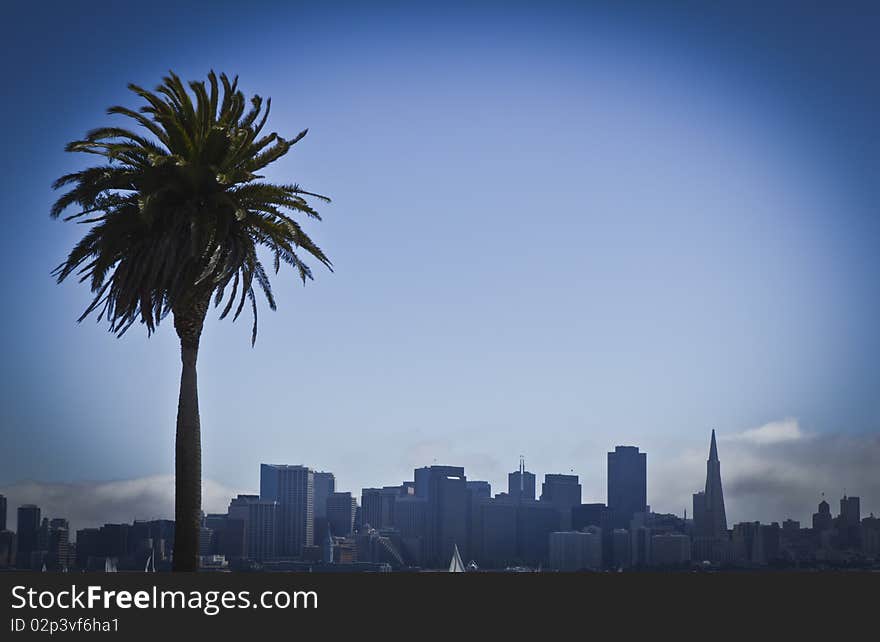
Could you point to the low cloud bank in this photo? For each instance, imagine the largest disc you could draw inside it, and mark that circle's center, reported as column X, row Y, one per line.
column 88, row 504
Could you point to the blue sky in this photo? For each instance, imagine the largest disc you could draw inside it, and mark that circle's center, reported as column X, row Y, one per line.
column 555, row 229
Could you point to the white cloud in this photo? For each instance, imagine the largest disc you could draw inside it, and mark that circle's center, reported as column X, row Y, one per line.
column 771, row 433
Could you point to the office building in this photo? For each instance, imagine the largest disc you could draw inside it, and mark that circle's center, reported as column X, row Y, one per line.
column 445, row 490
column 521, row 483
column 670, row 549
column 584, row 515
column 377, row 506
column 822, row 520
column 479, row 489
column 627, row 484
column 293, row 488
column 27, row 534
column 7, row 549
column 260, row 522
column 850, row 511
column 341, row 508
column 564, row 493
column 576, row 550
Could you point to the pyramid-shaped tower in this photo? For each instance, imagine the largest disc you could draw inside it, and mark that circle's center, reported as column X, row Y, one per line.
column 715, row 519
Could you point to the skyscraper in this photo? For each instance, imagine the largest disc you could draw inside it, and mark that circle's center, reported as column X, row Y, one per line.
column 325, row 484
column 850, row 511
column 259, row 517
column 445, row 489
column 822, row 520
column 293, row 487
column 710, row 519
column 377, row 506
column 564, row 493
column 340, row 513
column 28, row 530
column 2, row 513
column 627, row 484
column 521, row 483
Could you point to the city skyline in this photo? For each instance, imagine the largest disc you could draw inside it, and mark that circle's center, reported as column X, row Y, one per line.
column 299, row 522
column 554, row 229
column 218, row 496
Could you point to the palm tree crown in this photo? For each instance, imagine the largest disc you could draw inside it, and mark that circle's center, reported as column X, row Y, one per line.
column 178, row 213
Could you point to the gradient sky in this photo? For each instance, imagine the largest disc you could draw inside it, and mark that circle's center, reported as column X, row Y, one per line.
column 555, row 229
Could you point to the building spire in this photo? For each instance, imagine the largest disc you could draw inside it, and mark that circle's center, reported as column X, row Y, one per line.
column 713, row 449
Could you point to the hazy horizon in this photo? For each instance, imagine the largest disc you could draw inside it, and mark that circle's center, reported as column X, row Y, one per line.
column 554, row 230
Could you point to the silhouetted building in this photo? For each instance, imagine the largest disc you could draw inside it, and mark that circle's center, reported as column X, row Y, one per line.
column 325, row 484
column 411, row 521
column 27, row 534
column 850, row 511
column 564, row 493
column 710, row 518
column 377, row 506
column 534, row 523
column 627, row 484
column 2, row 513
column 260, row 522
column 670, row 549
column 293, row 488
column 621, row 549
column 341, row 508
column 58, row 545
column 495, row 534
column 445, row 489
column 7, row 549
column 480, row 489
column 822, row 520
column 585, row 515
column 521, row 483
column 576, row 550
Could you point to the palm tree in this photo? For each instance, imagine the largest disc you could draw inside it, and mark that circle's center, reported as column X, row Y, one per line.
column 177, row 213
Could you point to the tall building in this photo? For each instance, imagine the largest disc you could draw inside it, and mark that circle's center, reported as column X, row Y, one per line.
column 7, row 549
column 377, row 506
column 822, row 520
column 445, row 489
column 534, row 523
column 521, row 483
column 411, row 521
column 58, row 545
column 710, row 519
column 564, row 493
column 27, row 534
column 495, row 539
column 850, row 511
column 293, row 487
column 259, row 516
column 2, row 513
column 340, row 513
column 627, row 484
column 325, row 485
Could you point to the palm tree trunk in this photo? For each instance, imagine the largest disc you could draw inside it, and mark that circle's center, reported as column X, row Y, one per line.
column 188, row 445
